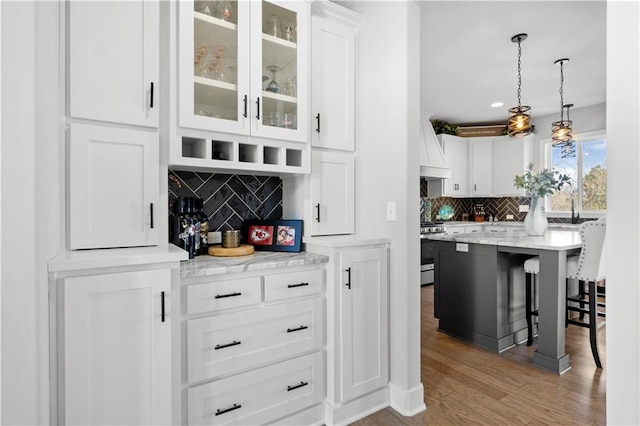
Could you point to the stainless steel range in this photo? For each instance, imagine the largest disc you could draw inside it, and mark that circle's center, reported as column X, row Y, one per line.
column 427, row 269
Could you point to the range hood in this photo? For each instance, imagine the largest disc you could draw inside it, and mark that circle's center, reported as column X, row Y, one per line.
column 433, row 164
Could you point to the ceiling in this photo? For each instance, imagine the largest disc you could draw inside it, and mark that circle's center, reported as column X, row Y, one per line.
column 468, row 60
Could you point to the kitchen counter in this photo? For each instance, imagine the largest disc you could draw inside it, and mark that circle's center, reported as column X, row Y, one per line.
column 211, row 265
column 551, row 240
column 510, row 223
column 479, row 289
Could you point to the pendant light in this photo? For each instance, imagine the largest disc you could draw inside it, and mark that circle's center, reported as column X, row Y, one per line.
column 568, row 147
column 561, row 130
column 519, row 123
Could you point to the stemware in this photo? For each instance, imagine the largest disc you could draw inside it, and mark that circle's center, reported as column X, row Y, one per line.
column 273, row 85
column 273, row 26
column 224, row 11
column 199, row 65
column 216, row 70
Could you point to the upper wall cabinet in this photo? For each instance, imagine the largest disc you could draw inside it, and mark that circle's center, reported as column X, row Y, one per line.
column 333, row 81
column 114, row 61
column 113, row 187
column 455, row 152
column 243, row 67
column 510, row 158
column 480, row 166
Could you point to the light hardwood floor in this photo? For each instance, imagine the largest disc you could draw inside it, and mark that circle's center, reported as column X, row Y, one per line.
column 467, row 385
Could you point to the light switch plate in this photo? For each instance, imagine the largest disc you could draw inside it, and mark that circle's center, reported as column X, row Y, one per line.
column 523, row 208
column 391, row 211
column 509, row 217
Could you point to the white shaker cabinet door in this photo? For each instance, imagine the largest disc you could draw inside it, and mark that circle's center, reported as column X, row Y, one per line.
column 114, row 61
column 113, row 187
column 333, row 84
column 481, row 159
column 117, row 349
column 364, row 311
column 332, row 193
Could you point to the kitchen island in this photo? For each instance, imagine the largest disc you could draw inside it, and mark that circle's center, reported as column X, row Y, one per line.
column 479, row 289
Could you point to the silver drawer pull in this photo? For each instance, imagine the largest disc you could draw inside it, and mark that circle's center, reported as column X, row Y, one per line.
column 235, row 407
column 222, row 296
column 297, row 285
column 302, row 384
column 234, row 343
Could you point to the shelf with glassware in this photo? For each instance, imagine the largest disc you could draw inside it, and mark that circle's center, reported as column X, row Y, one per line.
column 246, row 88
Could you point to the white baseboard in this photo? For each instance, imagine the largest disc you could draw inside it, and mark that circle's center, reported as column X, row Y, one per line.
column 407, row 402
column 349, row 412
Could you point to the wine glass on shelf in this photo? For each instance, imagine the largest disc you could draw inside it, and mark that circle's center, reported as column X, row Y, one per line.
column 217, row 71
column 199, row 65
column 273, row 85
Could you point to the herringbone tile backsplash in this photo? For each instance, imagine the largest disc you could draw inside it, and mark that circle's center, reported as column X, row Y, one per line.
column 229, row 200
column 496, row 207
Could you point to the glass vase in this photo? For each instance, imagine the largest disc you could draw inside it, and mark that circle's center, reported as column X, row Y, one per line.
column 535, row 223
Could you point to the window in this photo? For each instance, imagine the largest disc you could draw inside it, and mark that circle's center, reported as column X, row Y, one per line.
column 588, row 172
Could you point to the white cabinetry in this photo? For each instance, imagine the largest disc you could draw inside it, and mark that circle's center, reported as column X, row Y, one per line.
column 113, row 187
column 363, row 321
column 332, row 193
column 253, row 345
column 480, row 165
column 357, row 318
column 511, row 157
column 243, row 89
column 333, row 81
column 325, row 200
column 113, row 72
column 455, row 151
column 114, row 61
column 115, row 356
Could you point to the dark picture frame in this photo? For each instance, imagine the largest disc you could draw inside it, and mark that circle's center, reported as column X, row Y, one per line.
column 273, row 235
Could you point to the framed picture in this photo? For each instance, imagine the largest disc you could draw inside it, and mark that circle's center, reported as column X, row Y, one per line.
column 273, row 235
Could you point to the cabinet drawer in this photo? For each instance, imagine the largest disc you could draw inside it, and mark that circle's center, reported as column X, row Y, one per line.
column 226, row 343
column 224, row 294
column 293, row 284
column 260, row 396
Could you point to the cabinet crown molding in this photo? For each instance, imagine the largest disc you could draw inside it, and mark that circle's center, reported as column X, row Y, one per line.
column 331, row 10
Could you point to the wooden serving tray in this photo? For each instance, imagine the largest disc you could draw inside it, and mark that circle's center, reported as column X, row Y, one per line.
column 243, row 250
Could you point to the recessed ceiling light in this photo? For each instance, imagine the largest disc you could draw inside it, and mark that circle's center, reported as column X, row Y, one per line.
column 496, row 104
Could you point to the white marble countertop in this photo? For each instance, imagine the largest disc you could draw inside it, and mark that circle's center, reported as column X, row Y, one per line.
column 551, row 240
column 510, row 223
column 72, row 260
column 337, row 241
column 202, row 266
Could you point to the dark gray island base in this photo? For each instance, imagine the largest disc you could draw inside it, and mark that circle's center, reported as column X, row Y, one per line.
column 479, row 294
column 479, row 289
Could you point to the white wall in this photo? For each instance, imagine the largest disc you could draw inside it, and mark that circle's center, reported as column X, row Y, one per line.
column 31, row 202
column 623, row 213
column 585, row 119
column 387, row 169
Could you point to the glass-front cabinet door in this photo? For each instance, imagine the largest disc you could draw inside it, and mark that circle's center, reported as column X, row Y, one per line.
column 243, row 68
column 280, row 54
column 214, row 65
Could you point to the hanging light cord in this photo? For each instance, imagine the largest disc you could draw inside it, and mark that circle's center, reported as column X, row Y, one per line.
column 519, row 77
column 561, row 92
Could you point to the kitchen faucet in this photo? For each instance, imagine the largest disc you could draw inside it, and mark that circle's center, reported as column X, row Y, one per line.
column 574, row 216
